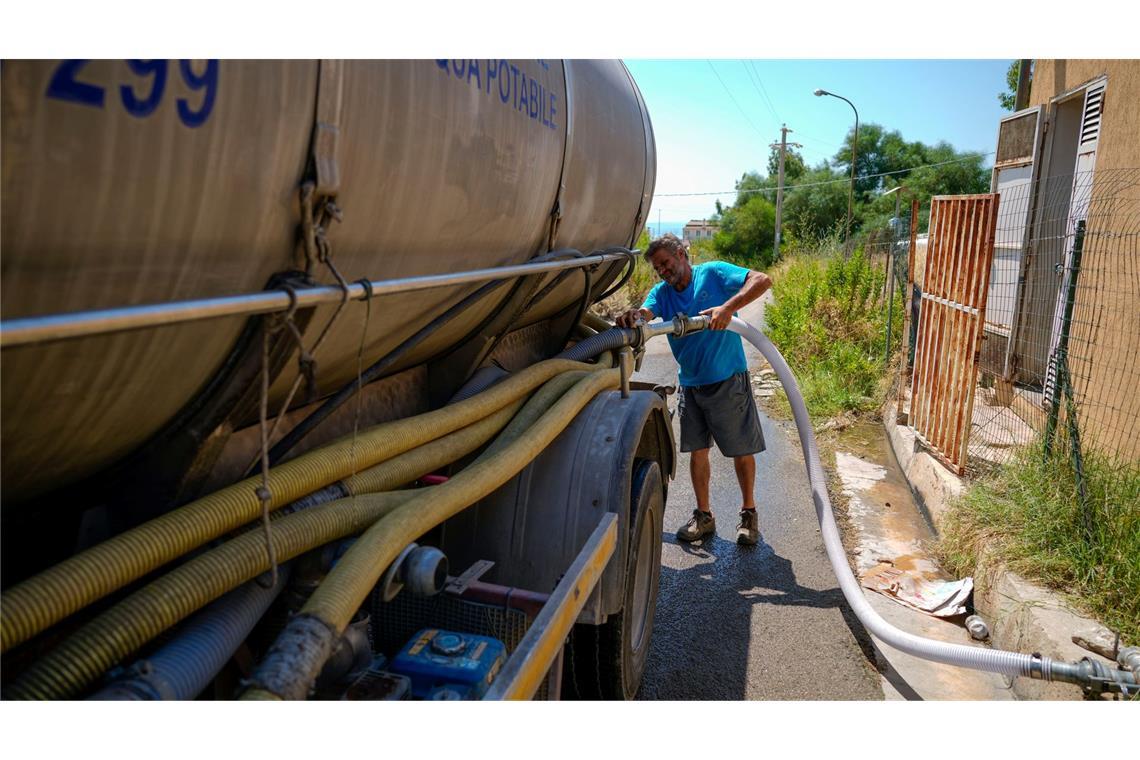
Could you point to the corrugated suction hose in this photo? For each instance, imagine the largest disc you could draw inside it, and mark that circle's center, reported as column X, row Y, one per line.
column 184, row 667
column 111, row 636
column 43, row 600
column 296, row 658
column 119, row 631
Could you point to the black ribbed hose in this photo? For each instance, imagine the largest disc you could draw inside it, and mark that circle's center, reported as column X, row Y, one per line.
column 603, row 341
column 183, row 668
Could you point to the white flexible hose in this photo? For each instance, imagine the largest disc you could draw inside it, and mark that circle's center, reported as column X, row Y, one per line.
column 993, row 660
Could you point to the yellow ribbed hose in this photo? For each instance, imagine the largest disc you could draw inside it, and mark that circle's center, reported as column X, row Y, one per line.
column 419, row 461
column 43, row 600
column 336, row 600
column 538, row 405
column 103, row 643
column 83, row 657
column 349, row 583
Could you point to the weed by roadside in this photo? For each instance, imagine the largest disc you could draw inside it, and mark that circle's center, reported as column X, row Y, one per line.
column 829, row 322
column 1027, row 516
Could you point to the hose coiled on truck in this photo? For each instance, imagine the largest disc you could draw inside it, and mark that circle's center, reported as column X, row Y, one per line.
column 301, row 650
column 115, row 634
column 99, row 641
column 44, row 599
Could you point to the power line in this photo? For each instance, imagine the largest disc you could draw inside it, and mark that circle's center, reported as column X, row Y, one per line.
column 763, row 90
column 722, row 84
column 845, row 180
column 760, row 89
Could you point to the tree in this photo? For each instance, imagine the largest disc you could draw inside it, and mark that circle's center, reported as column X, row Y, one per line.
column 879, row 153
column 747, row 232
column 812, row 210
column 1008, row 99
column 752, row 184
column 794, row 166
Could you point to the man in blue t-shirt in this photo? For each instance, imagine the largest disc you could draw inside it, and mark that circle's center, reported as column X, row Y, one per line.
column 716, row 398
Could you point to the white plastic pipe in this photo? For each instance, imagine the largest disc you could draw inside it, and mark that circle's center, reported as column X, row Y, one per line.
column 992, row 660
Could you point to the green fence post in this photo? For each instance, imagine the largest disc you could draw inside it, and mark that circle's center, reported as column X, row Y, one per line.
column 1066, row 385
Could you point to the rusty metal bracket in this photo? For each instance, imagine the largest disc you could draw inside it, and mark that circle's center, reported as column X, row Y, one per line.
column 477, row 570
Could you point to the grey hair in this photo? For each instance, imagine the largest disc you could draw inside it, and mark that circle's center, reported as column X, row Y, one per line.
column 670, row 243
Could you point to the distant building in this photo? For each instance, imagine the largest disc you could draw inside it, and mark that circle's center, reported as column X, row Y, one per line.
column 699, row 229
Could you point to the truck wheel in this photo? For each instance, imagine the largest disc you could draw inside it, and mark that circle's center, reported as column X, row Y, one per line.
column 608, row 661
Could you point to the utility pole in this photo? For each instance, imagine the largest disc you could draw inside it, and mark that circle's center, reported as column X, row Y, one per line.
column 783, row 146
column 1022, row 95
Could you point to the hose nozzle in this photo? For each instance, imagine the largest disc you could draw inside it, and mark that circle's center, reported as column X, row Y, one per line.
column 680, row 326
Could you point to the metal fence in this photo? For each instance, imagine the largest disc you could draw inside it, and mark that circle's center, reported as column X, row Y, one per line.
column 1059, row 361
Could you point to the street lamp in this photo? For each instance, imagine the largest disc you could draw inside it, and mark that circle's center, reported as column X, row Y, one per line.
column 851, row 190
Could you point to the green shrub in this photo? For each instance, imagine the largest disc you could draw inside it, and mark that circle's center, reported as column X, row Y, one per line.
column 829, row 322
column 1028, row 515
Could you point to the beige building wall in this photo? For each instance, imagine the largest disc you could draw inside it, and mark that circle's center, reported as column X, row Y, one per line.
column 1105, row 339
column 1120, row 125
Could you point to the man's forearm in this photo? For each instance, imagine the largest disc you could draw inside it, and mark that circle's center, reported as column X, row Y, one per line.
column 756, row 285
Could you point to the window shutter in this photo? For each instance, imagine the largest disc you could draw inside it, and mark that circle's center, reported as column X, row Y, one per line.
column 1090, row 121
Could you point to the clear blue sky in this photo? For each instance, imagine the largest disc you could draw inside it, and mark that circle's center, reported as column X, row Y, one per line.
column 705, row 142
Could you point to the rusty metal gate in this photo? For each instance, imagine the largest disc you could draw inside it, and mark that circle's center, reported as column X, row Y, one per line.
column 955, row 284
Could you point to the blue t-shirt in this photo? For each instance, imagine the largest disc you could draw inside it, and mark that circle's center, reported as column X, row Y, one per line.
column 708, row 356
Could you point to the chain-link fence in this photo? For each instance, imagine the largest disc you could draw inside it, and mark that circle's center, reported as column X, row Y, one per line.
column 1062, row 320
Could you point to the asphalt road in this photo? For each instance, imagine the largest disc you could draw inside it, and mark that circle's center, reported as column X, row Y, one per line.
column 760, row 622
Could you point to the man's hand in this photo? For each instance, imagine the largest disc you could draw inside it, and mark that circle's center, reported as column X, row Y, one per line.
column 719, row 317
column 632, row 317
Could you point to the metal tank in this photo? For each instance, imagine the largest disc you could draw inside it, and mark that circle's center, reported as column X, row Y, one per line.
column 133, row 182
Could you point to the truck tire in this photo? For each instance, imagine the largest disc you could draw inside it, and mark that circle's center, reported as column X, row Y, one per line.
column 608, row 661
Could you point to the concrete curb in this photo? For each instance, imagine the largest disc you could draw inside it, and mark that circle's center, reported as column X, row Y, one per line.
column 1023, row 616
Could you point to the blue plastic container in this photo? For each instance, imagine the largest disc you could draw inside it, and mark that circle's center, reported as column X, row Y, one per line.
column 462, row 662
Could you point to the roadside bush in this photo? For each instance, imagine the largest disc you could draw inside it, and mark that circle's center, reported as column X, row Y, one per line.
column 829, row 322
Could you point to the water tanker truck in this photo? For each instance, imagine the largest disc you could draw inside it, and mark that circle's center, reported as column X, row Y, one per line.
column 300, row 394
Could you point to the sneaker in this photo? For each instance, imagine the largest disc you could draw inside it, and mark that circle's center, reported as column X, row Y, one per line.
column 699, row 525
column 748, row 532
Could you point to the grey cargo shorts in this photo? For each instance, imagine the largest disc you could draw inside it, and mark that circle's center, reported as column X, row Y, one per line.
column 724, row 412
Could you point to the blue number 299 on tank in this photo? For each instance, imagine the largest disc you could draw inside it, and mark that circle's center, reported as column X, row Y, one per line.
column 142, row 94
